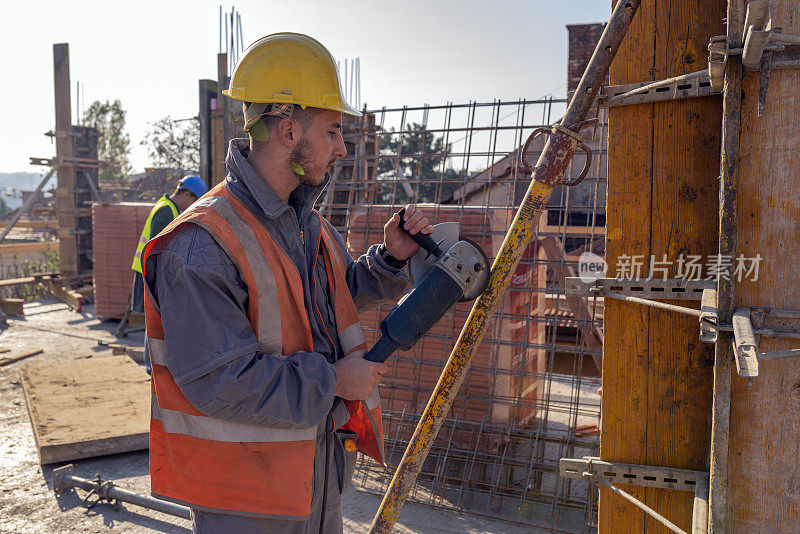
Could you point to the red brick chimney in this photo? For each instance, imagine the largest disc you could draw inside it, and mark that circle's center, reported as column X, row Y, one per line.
column 583, row 38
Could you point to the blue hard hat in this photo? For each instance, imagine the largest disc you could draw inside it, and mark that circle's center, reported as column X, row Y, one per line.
column 195, row 184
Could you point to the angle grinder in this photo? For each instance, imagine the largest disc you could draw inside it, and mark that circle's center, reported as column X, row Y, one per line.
column 448, row 268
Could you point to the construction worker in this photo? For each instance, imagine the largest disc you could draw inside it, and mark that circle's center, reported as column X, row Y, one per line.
column 188, row 190
column 261, row 392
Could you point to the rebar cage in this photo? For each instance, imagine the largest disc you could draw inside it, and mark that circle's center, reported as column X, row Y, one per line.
column 532, row 394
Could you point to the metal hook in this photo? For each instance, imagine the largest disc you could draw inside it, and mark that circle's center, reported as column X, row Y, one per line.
column 524, row 152
column 586, row 166
column 573, row 131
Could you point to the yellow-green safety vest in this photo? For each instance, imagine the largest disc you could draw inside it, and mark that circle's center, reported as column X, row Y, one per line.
column 137, row 259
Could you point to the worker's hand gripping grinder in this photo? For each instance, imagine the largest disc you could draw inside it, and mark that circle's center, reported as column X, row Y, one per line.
column 448, row 268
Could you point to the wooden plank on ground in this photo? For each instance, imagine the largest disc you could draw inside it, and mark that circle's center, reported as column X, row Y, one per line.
column 88, row 407
column 763, row 471
column 13, row 307
column 662, row 200
column 134, row 353
column 7, row 360
column 70, row 297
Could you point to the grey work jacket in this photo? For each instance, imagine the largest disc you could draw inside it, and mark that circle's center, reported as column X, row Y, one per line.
column 212, row 351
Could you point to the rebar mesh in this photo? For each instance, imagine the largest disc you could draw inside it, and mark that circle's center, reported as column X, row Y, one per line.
column 531, row 396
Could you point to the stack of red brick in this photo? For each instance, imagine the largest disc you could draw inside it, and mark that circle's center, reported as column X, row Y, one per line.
column 502, row 387
column 116, row 229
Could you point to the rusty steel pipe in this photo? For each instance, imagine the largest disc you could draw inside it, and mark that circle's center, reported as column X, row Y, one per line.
column 104, row 490
column 548, row 174
column 728, row 228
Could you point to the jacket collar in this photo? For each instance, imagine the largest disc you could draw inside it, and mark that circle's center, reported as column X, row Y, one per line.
column 272, row 205
column 169, row 200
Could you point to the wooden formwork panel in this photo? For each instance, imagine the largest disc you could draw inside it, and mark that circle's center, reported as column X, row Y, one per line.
column 763, row 471
column 663, row 164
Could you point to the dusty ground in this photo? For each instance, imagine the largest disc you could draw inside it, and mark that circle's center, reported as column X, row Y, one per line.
column 27, row 502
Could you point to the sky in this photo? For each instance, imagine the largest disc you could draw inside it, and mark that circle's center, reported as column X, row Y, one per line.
column 150, row 55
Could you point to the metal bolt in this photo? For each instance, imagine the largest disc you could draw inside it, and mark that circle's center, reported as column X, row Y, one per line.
column 478, row 267
column 459, row 266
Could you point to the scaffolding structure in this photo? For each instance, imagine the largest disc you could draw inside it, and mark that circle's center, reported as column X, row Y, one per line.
column 532, row 393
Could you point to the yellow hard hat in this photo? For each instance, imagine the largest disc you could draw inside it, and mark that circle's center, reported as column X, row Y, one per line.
column 289, row 68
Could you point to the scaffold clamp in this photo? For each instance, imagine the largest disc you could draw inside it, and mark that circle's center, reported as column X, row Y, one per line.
column 746, row 323
column 611, row 473
column 646, row 291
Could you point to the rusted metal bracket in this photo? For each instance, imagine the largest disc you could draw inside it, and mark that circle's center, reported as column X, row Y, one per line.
column 562, row 138
column 764, row 49
column 750, row 322
column 695, row 84
column 611, row 473
column 747, row 323
column 644, row 291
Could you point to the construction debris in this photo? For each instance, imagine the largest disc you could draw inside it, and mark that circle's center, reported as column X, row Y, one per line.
column 6, row 360
column 13, row 307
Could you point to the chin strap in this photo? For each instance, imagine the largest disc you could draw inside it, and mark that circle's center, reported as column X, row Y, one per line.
column 254, row 111
column 256, row 128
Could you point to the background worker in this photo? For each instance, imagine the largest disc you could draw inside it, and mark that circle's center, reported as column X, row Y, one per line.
column 262, row 393
column 188, row 190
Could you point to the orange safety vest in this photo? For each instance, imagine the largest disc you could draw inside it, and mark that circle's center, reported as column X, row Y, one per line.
column 237, row 468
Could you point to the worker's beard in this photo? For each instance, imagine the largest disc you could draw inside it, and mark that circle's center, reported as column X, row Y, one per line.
column 305, row 156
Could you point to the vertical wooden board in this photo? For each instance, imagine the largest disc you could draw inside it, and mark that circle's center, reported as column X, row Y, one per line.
column 663, row 163
column 764, row 474
column 65, row 207
column 624, row 431
column 684, row 220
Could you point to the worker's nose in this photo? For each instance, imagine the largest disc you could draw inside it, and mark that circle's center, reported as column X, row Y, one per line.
column 339, row 150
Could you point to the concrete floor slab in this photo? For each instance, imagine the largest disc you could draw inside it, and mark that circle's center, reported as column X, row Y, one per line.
column 27, row 502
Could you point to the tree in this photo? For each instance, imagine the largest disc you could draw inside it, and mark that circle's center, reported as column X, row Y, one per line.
column 422, row 158
column 174, row 144
column 4, row 207
column 114, row 143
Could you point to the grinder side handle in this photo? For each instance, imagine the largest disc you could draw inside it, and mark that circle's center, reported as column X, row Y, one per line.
column 423, row 240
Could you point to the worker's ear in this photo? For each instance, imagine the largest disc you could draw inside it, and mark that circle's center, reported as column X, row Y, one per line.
column 288, row 132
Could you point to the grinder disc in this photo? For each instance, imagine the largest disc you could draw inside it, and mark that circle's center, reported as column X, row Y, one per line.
column 446, row 235
column 481, row 278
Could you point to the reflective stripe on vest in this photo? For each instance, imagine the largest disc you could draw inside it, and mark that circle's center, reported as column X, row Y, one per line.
column 145, row 237
column 232, row 467
column 365, row 416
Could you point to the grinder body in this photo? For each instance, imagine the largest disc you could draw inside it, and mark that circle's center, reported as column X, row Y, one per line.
column 462, row 269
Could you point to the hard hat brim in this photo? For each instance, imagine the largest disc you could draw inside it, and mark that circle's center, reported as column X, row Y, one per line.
column 346, row 108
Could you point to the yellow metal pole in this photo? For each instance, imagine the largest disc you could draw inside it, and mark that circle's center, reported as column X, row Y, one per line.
column 548, row 174
column 455, row 370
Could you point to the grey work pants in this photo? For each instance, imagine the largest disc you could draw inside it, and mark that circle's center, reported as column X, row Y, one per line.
column 328, row 487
